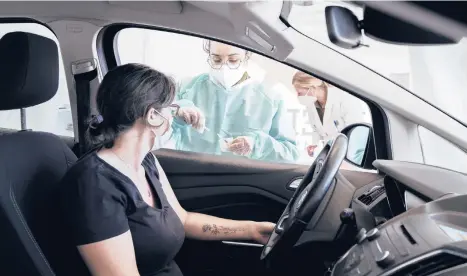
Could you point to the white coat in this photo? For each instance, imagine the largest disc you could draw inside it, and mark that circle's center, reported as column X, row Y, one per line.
column 341, row 110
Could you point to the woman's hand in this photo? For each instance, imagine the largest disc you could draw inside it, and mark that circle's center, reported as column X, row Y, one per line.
column 260, row 231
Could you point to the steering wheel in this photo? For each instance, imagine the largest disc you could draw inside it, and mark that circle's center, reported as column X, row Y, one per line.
column 307, row 198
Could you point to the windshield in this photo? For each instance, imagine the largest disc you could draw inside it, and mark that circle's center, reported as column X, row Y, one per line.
column 437, row 74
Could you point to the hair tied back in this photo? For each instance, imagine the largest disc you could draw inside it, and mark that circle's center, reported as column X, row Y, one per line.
column 96, row 120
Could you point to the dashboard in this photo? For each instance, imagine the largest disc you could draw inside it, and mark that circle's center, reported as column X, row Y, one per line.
column 414, row 222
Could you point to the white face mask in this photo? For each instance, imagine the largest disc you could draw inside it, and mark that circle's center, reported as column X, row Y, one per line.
column 161, row 141
column 162, row 133
column 227, row 77
column 307, row 100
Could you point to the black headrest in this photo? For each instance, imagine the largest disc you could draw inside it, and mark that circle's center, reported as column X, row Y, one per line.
column 28, row 70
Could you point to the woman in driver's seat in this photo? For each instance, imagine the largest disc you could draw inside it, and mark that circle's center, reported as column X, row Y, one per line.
column 118, row 205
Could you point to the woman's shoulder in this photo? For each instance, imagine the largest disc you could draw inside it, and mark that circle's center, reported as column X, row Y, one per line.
column 88, row 172
column 150, row 162
column 83, row 165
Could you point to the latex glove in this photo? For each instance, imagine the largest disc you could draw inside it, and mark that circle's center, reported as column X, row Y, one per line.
column 314, row 150
column 311, row 150
column 193, row 116
column 241, row 145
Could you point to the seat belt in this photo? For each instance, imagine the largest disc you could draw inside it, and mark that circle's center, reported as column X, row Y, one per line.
column 84, row 71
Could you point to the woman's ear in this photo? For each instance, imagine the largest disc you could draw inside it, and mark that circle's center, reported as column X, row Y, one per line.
column 154, row 118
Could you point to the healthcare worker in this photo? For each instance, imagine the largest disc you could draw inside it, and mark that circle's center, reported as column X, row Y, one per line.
column 328, row 111
column 226, row 112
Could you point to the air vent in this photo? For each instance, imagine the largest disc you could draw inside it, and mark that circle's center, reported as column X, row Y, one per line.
column 371, row 195
column 431, row 265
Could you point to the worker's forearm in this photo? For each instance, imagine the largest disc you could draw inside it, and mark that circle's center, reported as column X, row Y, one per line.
column 204, row 227
column 269, row 148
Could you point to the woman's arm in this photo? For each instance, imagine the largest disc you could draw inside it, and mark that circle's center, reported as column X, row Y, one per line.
column 204, row 227
column 111, row 257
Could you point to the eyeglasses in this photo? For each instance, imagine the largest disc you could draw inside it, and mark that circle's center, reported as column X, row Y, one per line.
column 321, row 86
column 311, row 87
column 173, row 109
column 217, row 63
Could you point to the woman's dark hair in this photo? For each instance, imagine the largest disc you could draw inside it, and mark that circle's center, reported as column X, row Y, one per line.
column 125, row 95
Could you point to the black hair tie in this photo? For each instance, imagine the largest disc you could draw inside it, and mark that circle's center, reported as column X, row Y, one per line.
column 96, row 120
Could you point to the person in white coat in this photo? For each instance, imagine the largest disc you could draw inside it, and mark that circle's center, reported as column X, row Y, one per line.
column 328, row 111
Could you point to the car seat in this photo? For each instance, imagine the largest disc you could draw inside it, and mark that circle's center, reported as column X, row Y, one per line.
column 32, row 164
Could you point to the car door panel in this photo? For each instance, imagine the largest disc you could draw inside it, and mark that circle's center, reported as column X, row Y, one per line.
column 235, row 202
column 236, row 189
column 205, row 170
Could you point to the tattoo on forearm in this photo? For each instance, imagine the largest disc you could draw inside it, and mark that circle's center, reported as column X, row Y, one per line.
column 216, row 230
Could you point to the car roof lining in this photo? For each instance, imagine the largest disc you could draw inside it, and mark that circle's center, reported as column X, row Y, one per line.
column 219, row 20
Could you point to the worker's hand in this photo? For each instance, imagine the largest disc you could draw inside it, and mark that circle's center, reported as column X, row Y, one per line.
column 192, row 116
column 241, row 145
column 311, row 150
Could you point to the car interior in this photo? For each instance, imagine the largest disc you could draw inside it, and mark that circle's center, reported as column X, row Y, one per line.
column 391, row 217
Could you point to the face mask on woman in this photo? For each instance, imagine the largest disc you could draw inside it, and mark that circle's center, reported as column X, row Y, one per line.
column 307, row 100
column 162, row 133
column 227, row 77
column 161, row 141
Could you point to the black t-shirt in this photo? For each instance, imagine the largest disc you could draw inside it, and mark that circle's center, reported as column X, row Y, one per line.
column 99, row 202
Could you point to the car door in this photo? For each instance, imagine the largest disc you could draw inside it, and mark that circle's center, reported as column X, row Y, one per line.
column 225, row 185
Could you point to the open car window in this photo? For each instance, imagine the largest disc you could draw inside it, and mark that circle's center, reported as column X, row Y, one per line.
column 279, row 124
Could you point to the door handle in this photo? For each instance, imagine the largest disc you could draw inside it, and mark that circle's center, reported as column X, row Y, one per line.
column 295, row 183
column 246, row 244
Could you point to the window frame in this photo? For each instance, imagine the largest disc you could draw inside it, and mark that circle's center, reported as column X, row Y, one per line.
column 109, row 59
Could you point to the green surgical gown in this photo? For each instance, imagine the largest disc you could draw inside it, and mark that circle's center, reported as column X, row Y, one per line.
column 246, row 109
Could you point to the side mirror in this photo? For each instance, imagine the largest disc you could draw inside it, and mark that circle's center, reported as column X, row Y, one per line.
column 361, row 150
